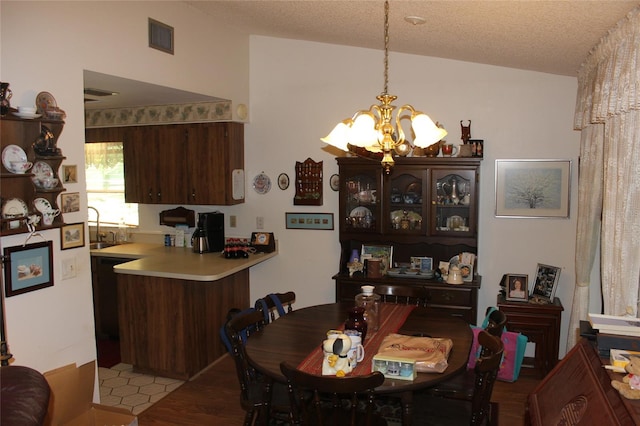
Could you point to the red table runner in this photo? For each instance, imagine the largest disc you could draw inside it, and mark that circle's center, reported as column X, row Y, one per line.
column 392, row 316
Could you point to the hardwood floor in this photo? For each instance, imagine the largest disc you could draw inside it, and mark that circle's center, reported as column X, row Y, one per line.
column 211, row 399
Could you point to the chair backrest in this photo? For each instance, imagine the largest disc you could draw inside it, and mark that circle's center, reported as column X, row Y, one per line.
column 486, row 371
column 497, row 322
column 238, row 329
column 275, row 305
column 409, row 295
column 319, row 410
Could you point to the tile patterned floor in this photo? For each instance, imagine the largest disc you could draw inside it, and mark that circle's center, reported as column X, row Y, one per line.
column 121, row 387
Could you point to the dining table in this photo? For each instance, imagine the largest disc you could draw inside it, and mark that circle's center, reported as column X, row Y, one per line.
column 297, row 338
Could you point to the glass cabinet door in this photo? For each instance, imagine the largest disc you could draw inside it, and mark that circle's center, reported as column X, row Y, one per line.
column 453, row 202
column 406, row 213
column 359, row 201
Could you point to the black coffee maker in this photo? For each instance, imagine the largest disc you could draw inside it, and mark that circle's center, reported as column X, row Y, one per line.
column 212, row 225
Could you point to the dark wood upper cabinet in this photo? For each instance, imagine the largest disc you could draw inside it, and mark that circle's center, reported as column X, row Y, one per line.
column 179, row 163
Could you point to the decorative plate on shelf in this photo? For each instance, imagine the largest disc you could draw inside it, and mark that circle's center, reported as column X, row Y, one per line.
column 262, row 183
column 44, row 102
column 13, row 208
column 42, row 205
column 13, row 153
column 334, row 182
column 360, row 212
column 42, row 170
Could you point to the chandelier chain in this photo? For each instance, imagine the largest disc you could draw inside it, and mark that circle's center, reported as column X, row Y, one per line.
column 386, row 47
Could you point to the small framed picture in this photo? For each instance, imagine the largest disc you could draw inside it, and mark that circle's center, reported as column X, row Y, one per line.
column 28, row 268
column 466, row 269
column 546, row 282
column 382, row 252
column 70, row 174
column 421, row 263
column 283, row 181
column 72, row 236
column 70, row 202
column 517, row 287
column 334, row 182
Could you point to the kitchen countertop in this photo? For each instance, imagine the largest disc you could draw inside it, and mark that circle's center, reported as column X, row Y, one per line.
column 155, row 260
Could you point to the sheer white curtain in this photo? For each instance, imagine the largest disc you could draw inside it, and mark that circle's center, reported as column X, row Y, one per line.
column 608, row 114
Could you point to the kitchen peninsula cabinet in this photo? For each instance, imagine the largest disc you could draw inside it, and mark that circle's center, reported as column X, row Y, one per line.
column 171, row 327
column 172, row 303
column 425, row 207
column 190, row 163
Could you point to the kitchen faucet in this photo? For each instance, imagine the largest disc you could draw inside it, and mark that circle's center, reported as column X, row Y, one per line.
column 98, row 235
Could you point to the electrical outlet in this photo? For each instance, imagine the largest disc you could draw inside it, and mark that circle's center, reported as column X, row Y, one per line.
column 68, row 268
column 260, row 222
column 232, row 221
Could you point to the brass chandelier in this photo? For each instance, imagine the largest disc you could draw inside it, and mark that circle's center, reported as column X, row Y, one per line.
column 373, row 130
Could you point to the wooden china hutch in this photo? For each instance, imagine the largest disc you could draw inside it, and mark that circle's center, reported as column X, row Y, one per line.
column 424, row 207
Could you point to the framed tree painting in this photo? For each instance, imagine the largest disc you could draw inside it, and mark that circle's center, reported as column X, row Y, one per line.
column 533, row 188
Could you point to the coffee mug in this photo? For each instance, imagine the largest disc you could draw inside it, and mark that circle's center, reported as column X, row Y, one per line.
column 356, row 353
column 448, row 150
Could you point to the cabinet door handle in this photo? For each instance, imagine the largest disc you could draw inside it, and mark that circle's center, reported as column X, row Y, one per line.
column 193, row 193
column 150, row 194
column 159, row 195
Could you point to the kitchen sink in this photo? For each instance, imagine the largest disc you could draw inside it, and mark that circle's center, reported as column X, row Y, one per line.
column 100, row 245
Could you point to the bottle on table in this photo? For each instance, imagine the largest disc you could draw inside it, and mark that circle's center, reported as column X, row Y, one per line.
column 356, row 321
column 371, row 304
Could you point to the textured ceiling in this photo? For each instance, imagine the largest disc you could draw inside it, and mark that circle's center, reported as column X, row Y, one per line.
column 547, row 36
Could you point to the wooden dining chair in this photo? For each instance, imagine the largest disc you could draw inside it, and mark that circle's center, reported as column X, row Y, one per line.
column 435, row 410
column 334, row 400
column 462, row 385
column 408, row 295
column 275, row 305
column 260, row 397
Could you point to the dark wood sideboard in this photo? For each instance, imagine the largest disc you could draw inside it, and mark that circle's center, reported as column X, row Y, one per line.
column 541, row 325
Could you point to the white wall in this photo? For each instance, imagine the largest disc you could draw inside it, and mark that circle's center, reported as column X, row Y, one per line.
column 46, row 46
column 298, row 91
